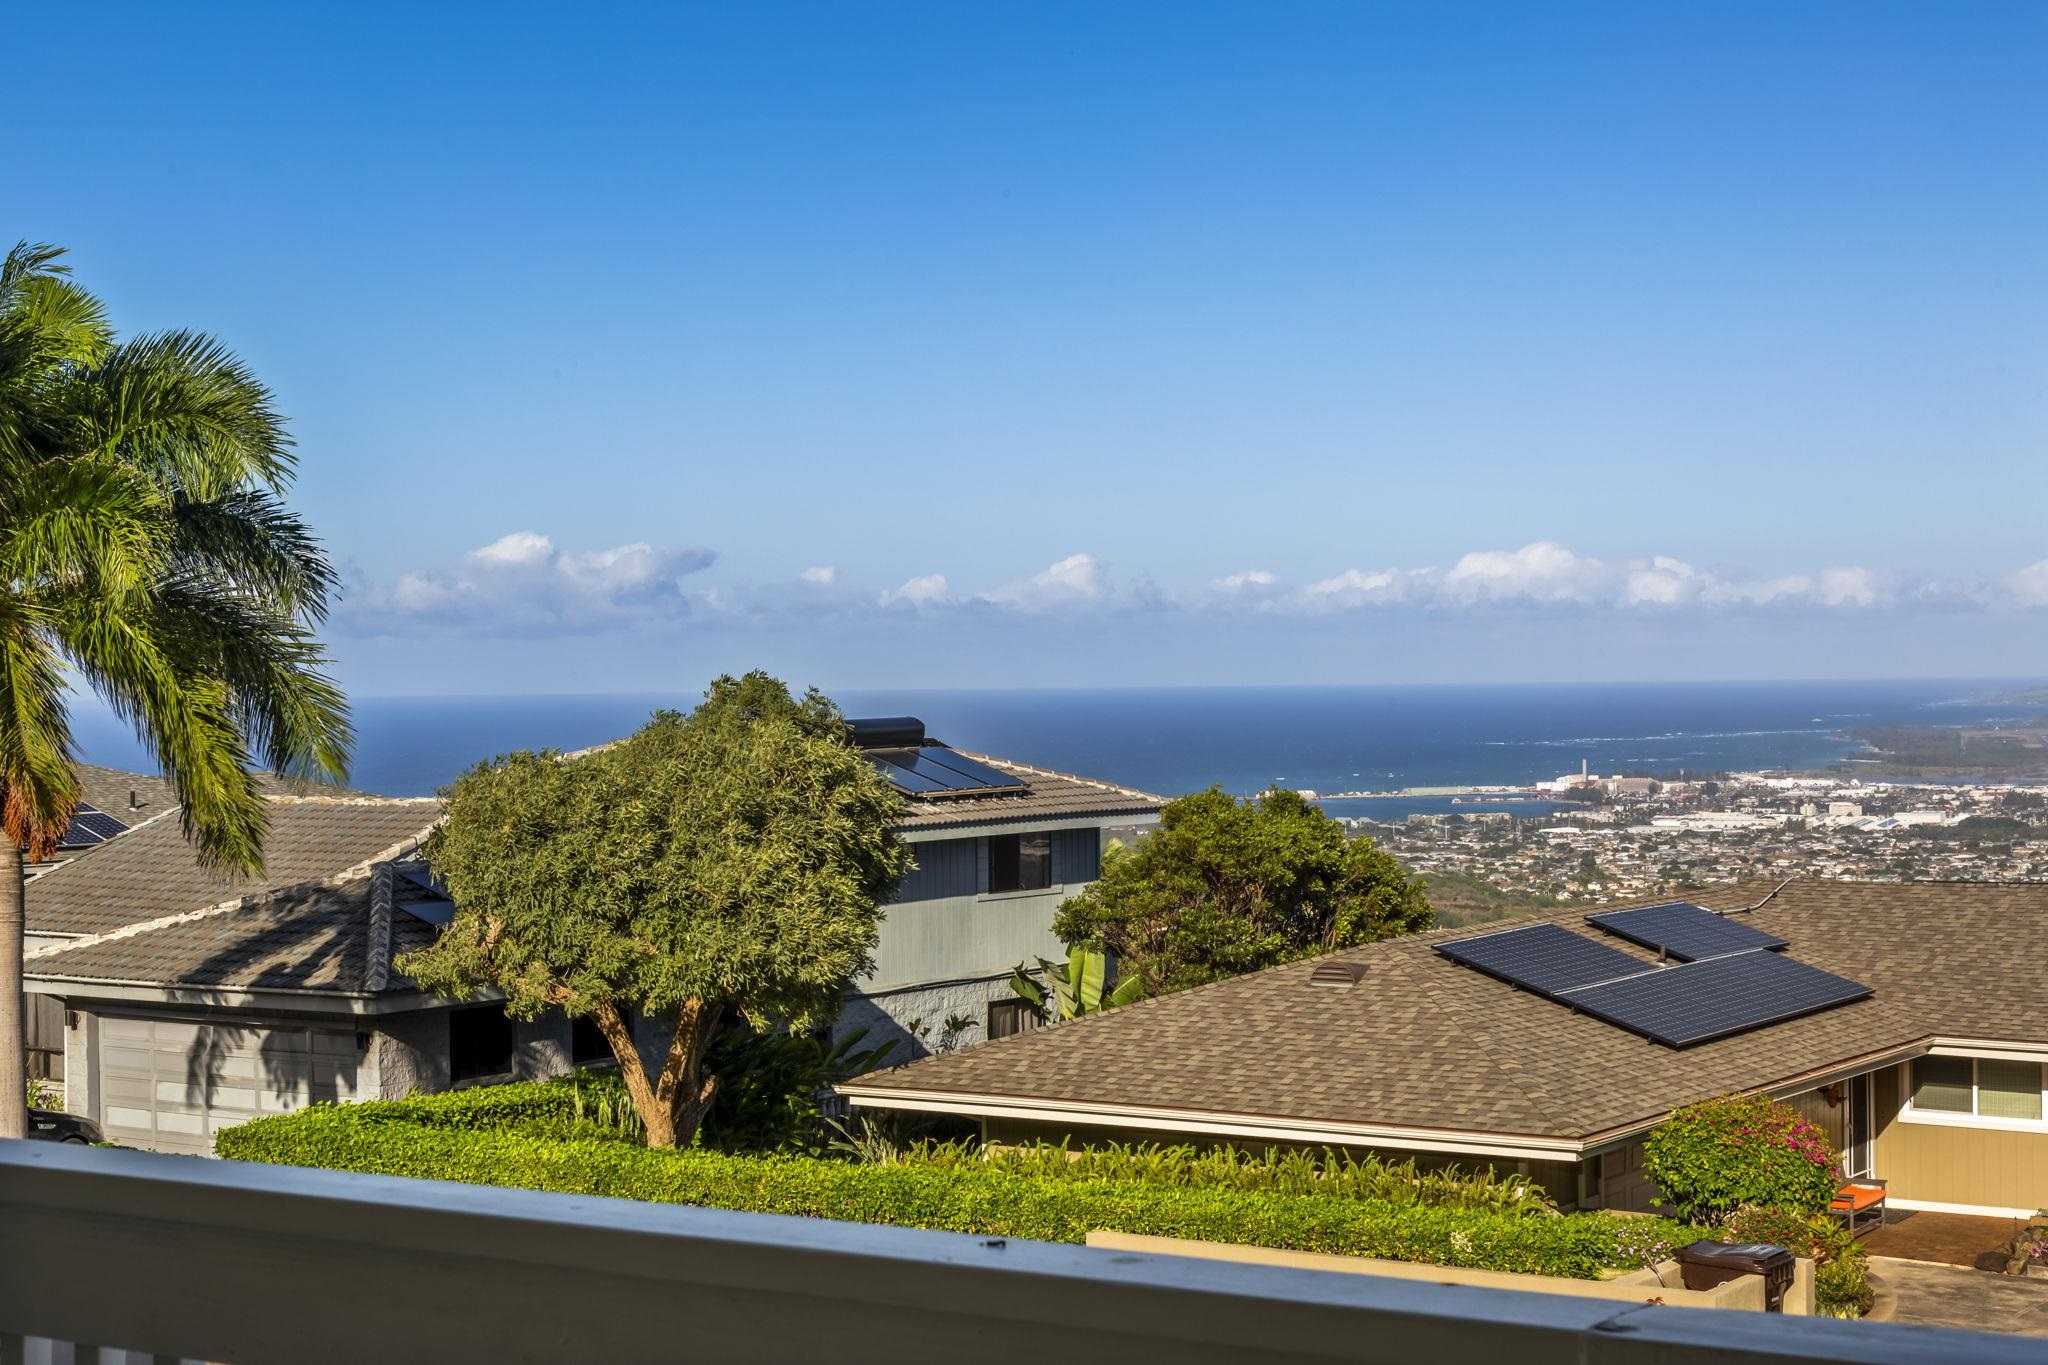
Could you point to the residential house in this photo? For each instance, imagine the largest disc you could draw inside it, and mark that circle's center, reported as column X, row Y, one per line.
column 999, row 844
column 1925, row 1065
column 185, row 1002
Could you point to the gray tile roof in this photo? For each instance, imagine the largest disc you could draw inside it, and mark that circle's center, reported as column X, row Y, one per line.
column 150, row 871
column 336, row 935
column 1047, row 795
column 1424, row 1043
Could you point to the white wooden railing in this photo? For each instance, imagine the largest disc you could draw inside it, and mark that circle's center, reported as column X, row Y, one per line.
column 179, row 1257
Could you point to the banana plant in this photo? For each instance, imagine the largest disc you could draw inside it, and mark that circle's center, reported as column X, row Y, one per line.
column 1078, row 986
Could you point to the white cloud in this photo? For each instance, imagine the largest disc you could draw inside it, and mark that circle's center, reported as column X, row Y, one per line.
column 820, row 576
column 2030, row 585
column 926, row 590
column 1077, row 578
column 1542, row 571
column 522, row 582
column 1249, row 580
column 1847, row 587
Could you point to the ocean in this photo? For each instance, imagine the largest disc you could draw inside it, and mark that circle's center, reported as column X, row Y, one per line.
column 1175, row 740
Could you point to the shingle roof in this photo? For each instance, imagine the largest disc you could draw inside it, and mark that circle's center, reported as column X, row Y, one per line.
column 1047, row 795
column 108, row 789
column 150, row 871
column 334, row 935
column 1424, row 1043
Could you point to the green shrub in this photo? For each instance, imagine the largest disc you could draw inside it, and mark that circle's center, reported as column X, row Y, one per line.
column 1841, row 1288
column 1327, row 1173
column 1841, row 1285
column 1718, row 1155
column 513, row 1138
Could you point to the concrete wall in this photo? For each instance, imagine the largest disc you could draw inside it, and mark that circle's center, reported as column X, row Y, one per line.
column 1660, row 1285
column 914, row 1017
column 1943, row 1163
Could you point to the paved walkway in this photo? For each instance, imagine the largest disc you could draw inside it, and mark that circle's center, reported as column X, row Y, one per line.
column 1950, row 1238
column 1949, row 1296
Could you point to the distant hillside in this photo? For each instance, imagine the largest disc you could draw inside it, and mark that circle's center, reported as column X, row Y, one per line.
column 1954, row 751
column 1461, row 900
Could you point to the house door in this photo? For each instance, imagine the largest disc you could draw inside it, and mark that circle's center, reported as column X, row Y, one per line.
column 1857, row 1151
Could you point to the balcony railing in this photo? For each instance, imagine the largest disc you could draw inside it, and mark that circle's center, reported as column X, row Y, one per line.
column 178, row 1257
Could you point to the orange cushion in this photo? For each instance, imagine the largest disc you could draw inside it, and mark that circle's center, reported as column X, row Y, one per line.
column 1858, row 1197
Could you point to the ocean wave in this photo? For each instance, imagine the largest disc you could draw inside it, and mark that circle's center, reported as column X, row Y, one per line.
column 1649, row 739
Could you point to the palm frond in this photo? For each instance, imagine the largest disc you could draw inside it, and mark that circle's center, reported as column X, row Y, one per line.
column 36, row 750
column 82, row 519
column 250, row 540
column 187, row 719
column 285, row 706
column 182, row 407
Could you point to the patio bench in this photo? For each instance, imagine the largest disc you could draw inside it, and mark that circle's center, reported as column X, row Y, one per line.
column 1860, row 1203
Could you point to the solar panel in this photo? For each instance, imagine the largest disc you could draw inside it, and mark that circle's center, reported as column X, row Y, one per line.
column 1547, row 958
column 904, row 779
column 90, row 825
column 1702, row 1001
column 935, row 770
column 1686, row 931
column 976, row 772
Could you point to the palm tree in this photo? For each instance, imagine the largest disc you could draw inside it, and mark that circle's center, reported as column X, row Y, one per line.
column 147, row 553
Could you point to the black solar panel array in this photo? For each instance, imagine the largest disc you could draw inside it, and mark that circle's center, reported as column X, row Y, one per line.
column 1724, row 990
column 1547, row 958
column 1686, row 931
column 1717, row 998
column 90, row 825
column 935, row 770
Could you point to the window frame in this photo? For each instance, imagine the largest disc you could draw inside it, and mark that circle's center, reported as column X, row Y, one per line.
column 1021, row 1009
column 511, row 1052
column 1911, row 1113
column 1051, row 883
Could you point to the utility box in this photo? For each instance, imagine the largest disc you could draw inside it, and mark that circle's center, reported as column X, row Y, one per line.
column 1706, row 1264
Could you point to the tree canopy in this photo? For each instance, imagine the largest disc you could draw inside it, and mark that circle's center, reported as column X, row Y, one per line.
column 726, row 863
column 146, row 551
column 1225, row 886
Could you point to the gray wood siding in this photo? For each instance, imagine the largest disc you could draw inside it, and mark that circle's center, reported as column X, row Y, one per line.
column 1076, row 856
column 945, row 868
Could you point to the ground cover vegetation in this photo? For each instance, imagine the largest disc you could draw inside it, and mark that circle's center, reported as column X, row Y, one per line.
column 146, row 551
column 566, row 1135
column 725, row 867
column 1223, row 887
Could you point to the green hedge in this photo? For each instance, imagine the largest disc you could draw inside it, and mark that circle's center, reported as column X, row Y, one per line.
column 511, row 1136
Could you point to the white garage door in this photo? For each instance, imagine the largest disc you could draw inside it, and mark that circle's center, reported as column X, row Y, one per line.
column 172, row 1084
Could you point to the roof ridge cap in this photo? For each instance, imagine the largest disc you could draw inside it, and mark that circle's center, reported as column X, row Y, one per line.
column 377, row 957
column 1055, row 772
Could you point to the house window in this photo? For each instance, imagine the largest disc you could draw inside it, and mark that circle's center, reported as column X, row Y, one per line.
column 587, row 1044
column 480, row 1041
column 1019, row 862
column 1006, row 1017
column 1951, row 1089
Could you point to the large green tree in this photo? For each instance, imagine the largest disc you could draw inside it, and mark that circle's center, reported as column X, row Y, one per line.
column 1225, row 886
column 726, row 864
column 146, row 552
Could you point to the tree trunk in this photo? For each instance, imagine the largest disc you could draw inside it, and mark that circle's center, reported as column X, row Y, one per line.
column 13, row 1041
column 654, row 1115
column 673, row 1104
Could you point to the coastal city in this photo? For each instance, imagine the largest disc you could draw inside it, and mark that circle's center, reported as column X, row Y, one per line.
column 1603, row 838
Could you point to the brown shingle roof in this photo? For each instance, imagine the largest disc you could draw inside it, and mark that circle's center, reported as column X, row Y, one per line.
column 1047, row 795
column 1424, row 1043
column 317, row 936
column 150, row 871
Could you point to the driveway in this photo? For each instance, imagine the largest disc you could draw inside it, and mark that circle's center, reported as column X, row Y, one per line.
column 1950, row 1296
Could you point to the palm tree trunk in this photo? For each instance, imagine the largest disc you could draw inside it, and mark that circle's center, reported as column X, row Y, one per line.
column 13, row 1043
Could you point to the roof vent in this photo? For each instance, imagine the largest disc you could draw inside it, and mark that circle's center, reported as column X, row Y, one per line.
column 1336, row 976
column 886, row 732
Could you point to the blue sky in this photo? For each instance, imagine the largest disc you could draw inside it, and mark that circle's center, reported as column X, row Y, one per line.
column 932, row 345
